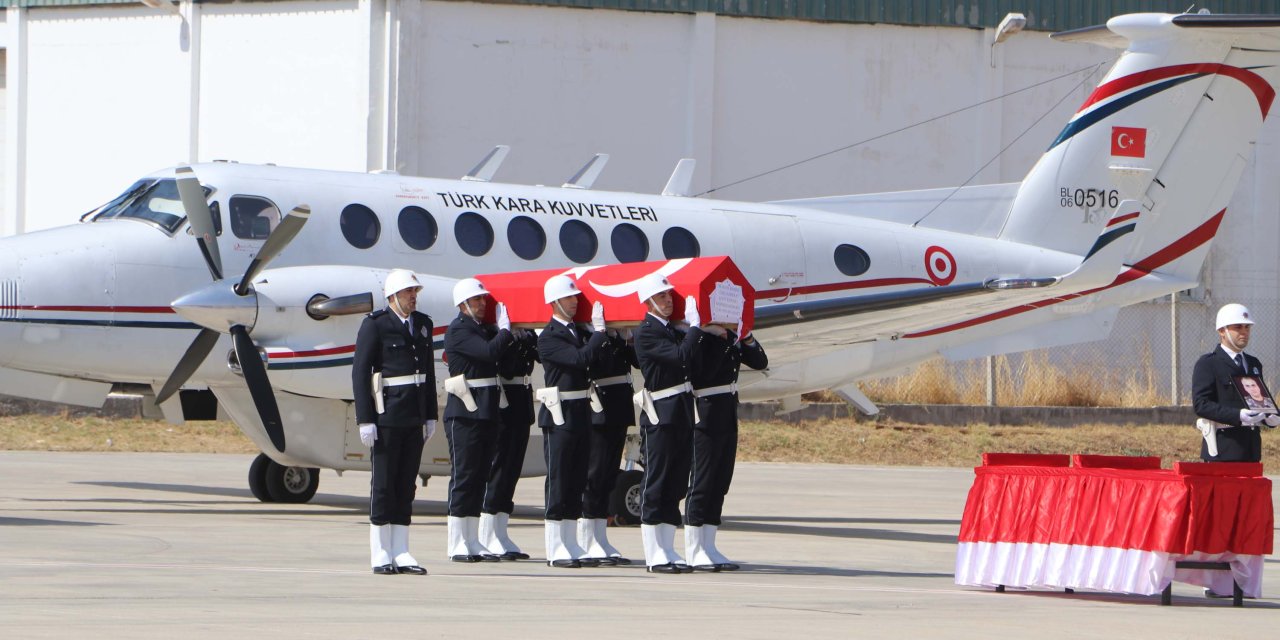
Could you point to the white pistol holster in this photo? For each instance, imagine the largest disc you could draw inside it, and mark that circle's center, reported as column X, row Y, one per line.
column 378, row 403
column 1209, row 430
column 644, row 400
column 596, row 405
column 550, row 398
column 457, row 386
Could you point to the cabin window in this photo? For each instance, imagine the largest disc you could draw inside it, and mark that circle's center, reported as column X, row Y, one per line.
column 152, row 201
column 417, row 228
column 578, row 241
column 678, row 242
column 359, row 226
column 526, row 237
column 851, row 260
column 474, row 233
column 629, row 243
column 253, row 218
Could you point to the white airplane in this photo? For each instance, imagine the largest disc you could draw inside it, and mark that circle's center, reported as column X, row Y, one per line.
column 1120, row 209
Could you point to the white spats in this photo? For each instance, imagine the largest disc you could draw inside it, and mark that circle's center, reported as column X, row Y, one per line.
column 594, row 539
column 493, row 534
column 694, row 549
column 400, row 546
column 562, row 540
column 472, row 536
column 457, row 536
column 659, row 544
column 709, row 544
column 379, row 545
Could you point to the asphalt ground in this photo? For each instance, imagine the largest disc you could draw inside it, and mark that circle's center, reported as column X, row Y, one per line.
column 123, row 545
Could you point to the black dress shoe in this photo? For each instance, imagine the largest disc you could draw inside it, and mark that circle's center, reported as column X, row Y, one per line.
column 462, row 557
column 711, row 568
column 728, row 566
column 565, row 564
column 413, row 570
column 669, row 567
column 605, row 562
column 385, row 570
column 620, row 561
column 589, row 562
column 489, row 557
column 515, row 555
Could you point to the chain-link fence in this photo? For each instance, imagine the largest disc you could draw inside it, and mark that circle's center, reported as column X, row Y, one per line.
column 1146, row 361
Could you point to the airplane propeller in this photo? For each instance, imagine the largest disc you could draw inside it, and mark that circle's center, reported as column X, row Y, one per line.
column 234, row 309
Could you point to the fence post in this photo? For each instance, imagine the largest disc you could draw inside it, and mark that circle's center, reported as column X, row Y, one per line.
column 1173, row 349
column 991, row 381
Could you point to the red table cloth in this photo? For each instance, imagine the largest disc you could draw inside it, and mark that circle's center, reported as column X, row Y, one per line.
column 1114, row 529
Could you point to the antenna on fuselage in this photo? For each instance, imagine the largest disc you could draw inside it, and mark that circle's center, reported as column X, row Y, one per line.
column 484, row 171
column 586, row 176
column 681, row 180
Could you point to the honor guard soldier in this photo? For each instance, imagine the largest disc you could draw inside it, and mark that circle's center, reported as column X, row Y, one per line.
column 715, row 443
column 565, row 417
column 393, row 379
column 611, row 377
column 513, row 439
column 472, row 413
column 1229, row 426
column 665, row 355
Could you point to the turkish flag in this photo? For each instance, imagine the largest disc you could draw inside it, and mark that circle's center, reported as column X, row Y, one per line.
column 1129, row 141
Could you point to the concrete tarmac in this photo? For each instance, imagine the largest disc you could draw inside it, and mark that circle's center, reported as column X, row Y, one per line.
column 124, row 545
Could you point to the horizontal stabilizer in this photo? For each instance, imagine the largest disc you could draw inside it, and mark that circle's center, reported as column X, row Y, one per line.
column 1106, row 257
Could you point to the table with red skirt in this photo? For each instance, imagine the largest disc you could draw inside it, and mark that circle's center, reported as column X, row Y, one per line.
column 1114, row 523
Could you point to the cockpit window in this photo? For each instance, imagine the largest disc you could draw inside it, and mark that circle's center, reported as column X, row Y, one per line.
column 152, row 201
column 253, row 218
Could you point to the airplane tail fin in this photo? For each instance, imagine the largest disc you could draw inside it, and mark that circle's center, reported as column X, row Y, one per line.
column 1169, row 126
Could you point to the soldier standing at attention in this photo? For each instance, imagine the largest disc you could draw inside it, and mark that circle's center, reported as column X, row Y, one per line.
column 611, row 376
column 665, row 354
column 472, row 414
column 565, row 417
column 513, row 440
column 715, row 444
column 393, row 380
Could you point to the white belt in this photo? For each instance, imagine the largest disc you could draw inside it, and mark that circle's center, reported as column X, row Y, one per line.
column 398, row 381
column 715, row 391
column 476, row 383
column 575, row 395
column 605, row 382
column 518, row 381
column 663, row 394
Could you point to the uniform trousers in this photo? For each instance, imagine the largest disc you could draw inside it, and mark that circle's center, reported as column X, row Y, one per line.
column 508, row 456
column 606, row 444
column 715, row 446
column 667, row 449
column 396, row 456
column 566, row 448
column 471, row 445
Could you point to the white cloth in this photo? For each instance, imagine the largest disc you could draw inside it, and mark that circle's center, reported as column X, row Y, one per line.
column 368, row 434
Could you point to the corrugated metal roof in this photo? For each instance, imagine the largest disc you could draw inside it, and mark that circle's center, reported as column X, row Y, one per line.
column 1042, row 15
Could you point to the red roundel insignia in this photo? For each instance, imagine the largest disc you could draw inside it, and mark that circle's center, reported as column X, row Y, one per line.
column 940, row 265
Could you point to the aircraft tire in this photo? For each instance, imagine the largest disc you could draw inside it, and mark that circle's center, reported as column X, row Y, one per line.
column 624, row 501
column 258, row 478
column 292, row 485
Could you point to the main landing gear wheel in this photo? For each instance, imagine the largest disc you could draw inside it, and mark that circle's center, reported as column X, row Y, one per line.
column 271, row 481
column 624, row 501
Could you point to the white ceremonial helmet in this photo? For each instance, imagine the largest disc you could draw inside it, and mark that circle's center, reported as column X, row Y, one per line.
column 559, row 287
column 466, row 289
column 1233, row 313
column 399, row 280
column 651, row 285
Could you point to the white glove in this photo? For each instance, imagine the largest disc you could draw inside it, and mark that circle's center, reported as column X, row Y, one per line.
column 1250, row 418
column 504, row 322
column 1272, row 420
column 368, row 434
column 597, row 316
column 691, row 312
column 428, row 430
column 739, row 332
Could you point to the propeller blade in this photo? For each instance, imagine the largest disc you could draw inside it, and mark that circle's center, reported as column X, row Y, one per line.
column 191, row 360
column 201, row 219
column 255, row 375
column 276, row 242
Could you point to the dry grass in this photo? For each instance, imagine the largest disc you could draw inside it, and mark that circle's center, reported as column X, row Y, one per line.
column 58, row 433
column 1032, row 382
column 888, row 443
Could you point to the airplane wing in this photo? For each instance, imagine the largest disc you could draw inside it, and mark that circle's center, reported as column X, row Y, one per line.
column 798, row 330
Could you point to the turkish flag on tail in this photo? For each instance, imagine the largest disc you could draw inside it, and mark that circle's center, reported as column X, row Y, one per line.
column 1129, row 141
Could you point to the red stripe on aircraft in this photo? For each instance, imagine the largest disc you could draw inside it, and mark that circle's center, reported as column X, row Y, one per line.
column 310, row 354
column 840, row 286
column 86, row 308
column 1260, row 87
column 1177, row 249
column 1127, row 216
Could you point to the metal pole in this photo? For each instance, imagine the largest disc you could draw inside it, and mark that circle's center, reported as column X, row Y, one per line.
column 991, row 381
column 1173, row 348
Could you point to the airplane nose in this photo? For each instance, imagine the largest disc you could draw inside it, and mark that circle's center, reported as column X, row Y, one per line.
column 217, row 307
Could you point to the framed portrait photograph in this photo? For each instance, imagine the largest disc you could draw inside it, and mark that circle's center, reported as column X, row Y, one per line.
column 1255, row 394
